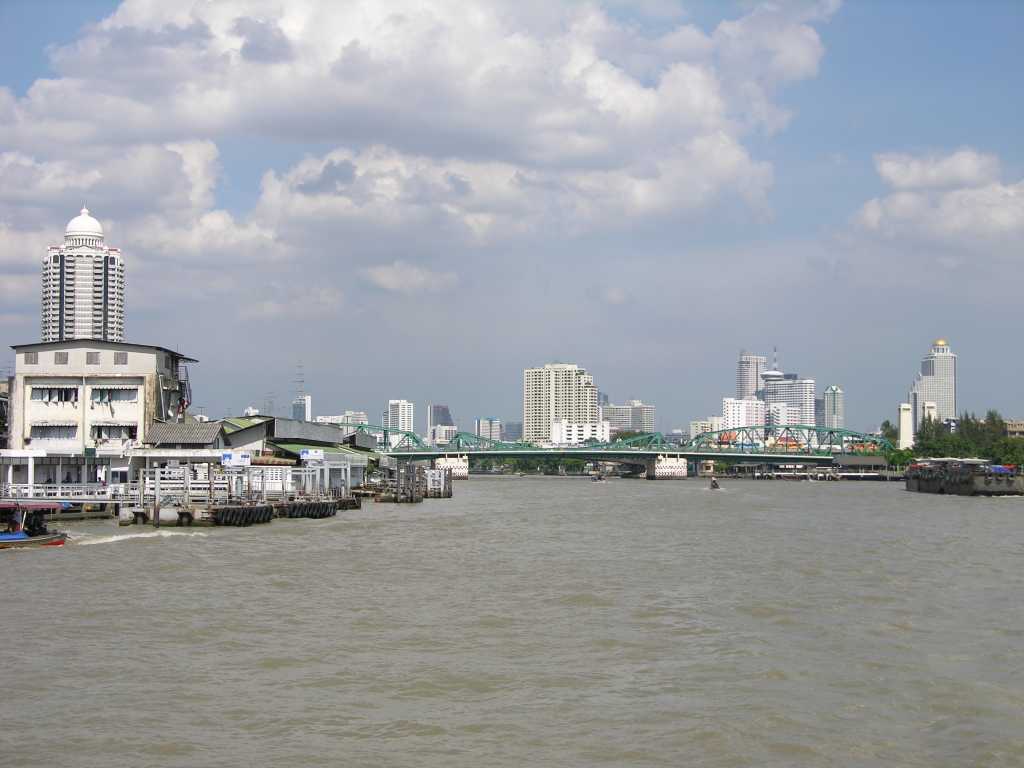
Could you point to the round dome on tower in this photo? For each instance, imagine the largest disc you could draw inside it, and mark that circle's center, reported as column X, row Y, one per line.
column 940, row 343
column 85, row 225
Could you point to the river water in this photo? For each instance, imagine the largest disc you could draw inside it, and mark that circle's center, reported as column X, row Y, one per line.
column 532, row 621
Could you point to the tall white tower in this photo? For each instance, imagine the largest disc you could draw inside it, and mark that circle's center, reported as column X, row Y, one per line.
column 834, row 407
column 83, row 285
column 935, row 383
column 748, row 375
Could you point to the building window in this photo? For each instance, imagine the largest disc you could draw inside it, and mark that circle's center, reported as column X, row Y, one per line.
column 47, row 432
column 31, row 358
column 92, row 358
column 102, row 432
column 167, row 362
column 120, row 358
column 55, row 394
column 107, row 395
column 60, row 358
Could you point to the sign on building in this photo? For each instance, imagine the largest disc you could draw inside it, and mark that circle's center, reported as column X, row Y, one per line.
column 311, row 454
column 236, row 459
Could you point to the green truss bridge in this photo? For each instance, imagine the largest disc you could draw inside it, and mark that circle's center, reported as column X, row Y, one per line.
column 763, row 444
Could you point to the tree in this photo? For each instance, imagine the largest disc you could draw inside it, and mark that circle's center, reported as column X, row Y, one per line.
column 889, row 432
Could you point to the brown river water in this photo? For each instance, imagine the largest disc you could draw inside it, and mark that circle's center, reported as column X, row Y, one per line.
column 532, row 622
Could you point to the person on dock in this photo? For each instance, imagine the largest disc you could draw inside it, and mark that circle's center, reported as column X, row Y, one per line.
column 14, row 525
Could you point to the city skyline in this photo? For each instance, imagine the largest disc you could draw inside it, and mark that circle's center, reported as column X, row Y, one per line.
column 248, row 233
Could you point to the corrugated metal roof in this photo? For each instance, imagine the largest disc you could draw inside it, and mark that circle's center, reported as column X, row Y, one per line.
column 236, row 423
column 183, row 432
column 295, row 448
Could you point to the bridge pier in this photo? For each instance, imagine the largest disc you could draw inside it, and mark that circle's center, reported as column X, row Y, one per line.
column 667, row 467
column 457, row 463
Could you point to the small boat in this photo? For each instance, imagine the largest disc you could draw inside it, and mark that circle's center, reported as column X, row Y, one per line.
column 714, row 485
column 22, row 540
column 599, row 478
column 31, row 530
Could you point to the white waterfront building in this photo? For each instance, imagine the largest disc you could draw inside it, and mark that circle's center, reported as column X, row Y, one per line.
column 69, row 397
column 556, row 392
column 935, row 383
column 346, row 417
column 565, row 432
column 634, row 416
column 83, row 285
column 740, row 413
column 833, row 407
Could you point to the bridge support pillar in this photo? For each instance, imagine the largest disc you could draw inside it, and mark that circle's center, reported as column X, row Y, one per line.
column 457, row 463
column 667, row 467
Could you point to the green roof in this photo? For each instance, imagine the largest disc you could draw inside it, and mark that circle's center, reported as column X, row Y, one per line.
column 236, row 423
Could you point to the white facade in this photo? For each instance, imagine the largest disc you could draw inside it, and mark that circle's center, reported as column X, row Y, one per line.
column 906, row 426
column 73, row 395
column 929, row 411
column 834, row 407
column 347, row 417
column 399, row 415
column 737, row 414
column 634, row 416
column 936, row 383
column 748, row 375
column 83, row 285
column 487, row 428
column 795, row 393
column 556, row 392
column 574, row 433
column 777, row 415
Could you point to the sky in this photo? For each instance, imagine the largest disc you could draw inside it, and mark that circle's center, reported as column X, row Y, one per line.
column 418, row 199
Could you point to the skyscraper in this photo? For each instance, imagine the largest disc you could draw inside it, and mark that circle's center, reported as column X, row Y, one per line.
column 83, row 285
column 742, row 412
column 439, row 416
column 935, row 383
column 748, row 375
column 302, row 408
column 557, row 391
column 834, row 407
column 399, row 415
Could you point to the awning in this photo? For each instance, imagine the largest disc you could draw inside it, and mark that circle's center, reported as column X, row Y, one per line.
column 115, row 423
column 54, row 423
column 94, row 387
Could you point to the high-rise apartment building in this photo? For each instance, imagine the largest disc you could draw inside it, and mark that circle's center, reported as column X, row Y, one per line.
column 935, row 383
column 556, row 392
column 83, row 285
column 399, row 415
column 833, row 408
column 748, row 375
column 790, row 390
column 487, row 428
column 634, row 416
column 738, row 413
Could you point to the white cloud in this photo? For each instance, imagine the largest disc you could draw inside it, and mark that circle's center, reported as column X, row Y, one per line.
column 410, row 279
column 956, row 199
column 963, row 168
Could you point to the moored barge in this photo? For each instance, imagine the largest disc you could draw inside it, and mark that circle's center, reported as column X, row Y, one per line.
column 964, row 477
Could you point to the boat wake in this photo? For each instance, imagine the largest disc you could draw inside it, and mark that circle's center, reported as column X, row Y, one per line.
column 88, row 539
